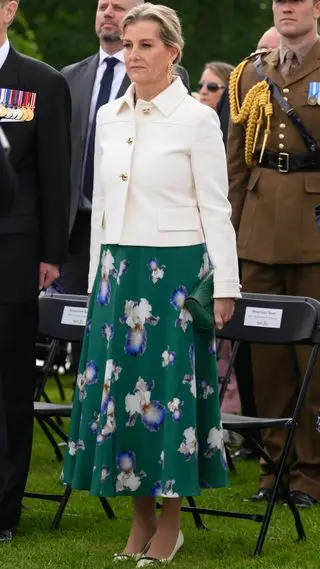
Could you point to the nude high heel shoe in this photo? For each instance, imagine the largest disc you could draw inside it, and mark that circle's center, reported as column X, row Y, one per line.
column 132, row 556
column 145, row 560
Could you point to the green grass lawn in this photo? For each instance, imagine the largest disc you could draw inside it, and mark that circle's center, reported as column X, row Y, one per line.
column 87, row 539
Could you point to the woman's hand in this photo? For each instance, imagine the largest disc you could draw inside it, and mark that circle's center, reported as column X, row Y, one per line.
column 223, row 311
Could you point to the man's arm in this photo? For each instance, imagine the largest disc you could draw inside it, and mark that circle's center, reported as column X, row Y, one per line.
column 238, row 172
column 54, row 153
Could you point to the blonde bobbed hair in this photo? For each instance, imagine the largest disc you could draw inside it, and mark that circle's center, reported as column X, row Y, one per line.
column 167, row 19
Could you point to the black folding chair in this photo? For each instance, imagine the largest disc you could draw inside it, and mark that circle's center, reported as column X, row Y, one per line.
column 61, row 318
column 271, row 319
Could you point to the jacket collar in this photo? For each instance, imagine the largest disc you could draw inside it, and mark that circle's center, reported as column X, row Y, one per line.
column 166, row 102
column 310, row 63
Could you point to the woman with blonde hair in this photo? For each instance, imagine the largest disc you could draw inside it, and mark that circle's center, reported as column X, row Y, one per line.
column 146, row 420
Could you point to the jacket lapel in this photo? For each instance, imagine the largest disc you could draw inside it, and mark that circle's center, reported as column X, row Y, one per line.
column 124, row 86
column 9, row 72
column 272, row 67
column 86, row 82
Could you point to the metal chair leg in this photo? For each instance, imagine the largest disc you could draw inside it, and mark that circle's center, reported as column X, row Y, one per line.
column 62, row 507
column 196, row 516
column 271, row 504
column 107, row 508
column 59, row 386
column 230, row 462
column 51, row 439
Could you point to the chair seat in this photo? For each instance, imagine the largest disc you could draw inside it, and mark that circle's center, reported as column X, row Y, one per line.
column 239, row 422
column 51, row 409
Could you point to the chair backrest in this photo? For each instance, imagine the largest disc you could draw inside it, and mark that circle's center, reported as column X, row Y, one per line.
column 62, row 317
column 273, row 319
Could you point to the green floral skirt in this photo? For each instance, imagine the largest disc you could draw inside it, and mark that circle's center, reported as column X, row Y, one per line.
column 146, row 418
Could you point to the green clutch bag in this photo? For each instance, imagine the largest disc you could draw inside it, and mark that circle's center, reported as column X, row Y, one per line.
column 200, row 303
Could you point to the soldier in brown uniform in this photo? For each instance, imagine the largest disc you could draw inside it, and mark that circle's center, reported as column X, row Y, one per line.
column 274, row 168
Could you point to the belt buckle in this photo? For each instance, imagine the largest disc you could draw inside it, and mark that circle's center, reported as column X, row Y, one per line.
column 283, row 162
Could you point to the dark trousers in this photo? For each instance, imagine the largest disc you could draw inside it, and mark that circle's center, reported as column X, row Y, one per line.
column 76, row 269
column 278, row 372
column 18, row 327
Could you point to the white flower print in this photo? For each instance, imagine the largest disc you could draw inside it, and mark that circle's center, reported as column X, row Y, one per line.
column 152, row 413
column 105, row 472
column 107, row 264
column 81, row 383
column 177, row 300
column 189, row 446
column 75, row 446
column 215, row 438
column 161, row 461
column 137, row 314
column 72, row 446
column 112, row 372
column 184, row 318
column 157, row 270
column 123, row 269
column 191, row 381
column 110, row 422
column 168, row 490
column 174, row 407
column 128, row 479
column 216, row 444
column 205, row 389
column 205, row 266
column 108, row 332
column 191, row 378
column 168, row 358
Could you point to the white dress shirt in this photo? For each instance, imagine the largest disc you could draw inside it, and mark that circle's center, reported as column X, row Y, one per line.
column 4, row 51
column 160, row 180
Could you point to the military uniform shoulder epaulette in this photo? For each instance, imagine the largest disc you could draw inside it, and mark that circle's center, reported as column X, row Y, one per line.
column 263, row 51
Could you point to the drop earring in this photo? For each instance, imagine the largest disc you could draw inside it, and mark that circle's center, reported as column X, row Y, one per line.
column 170, row 72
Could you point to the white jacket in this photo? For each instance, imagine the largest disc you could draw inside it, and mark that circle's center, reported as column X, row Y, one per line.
column 160, row 179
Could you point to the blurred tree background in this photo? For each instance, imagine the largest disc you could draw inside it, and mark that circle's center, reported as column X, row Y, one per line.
column 63, row 32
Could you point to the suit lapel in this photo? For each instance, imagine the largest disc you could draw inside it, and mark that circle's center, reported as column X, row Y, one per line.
column 9, row 72
column 124, row 86
column 86, row 82
column 272, row 68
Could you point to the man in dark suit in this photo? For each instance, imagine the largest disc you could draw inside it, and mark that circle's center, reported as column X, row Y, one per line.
column 35, row 115
column 94, row 81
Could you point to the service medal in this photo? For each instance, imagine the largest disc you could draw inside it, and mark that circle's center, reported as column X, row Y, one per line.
column 314, row 93
column 29, row 114
column 313, row 100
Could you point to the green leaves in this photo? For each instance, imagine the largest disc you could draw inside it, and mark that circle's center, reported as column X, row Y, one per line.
column 23, row 38
column 63, row 32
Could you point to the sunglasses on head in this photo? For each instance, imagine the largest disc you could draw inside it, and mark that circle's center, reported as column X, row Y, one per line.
column 211, row 86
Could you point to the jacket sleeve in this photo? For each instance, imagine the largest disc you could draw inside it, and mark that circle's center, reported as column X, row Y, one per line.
column 238, row 172
column 97, row 215
column 54, row 156
column 210, row 176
